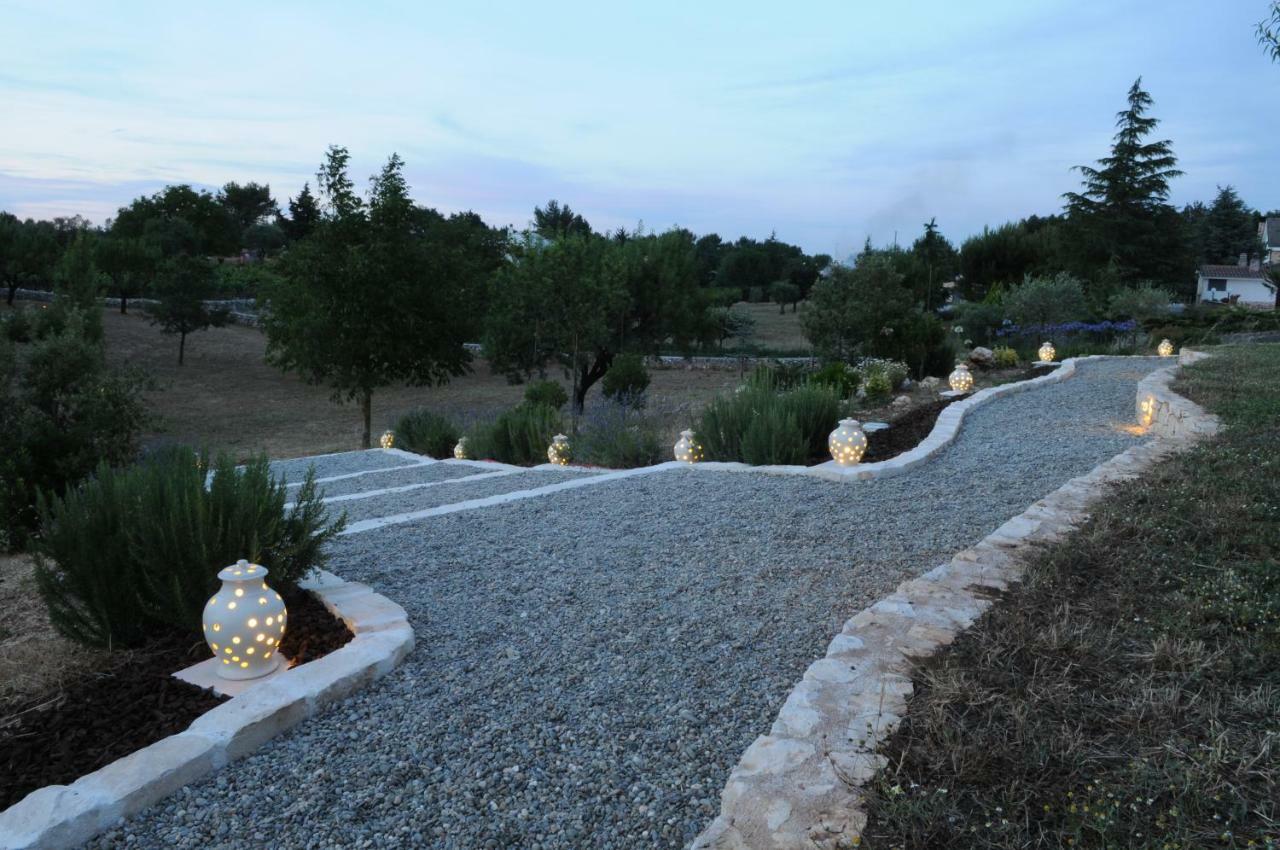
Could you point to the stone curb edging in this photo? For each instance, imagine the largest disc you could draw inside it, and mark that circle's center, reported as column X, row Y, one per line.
column 59, row 816
column 799, row 787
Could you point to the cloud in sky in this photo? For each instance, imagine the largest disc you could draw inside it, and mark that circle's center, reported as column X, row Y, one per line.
column 823, row 121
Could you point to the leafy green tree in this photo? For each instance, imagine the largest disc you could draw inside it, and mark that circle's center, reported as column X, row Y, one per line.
column 127, row 263
column 936, row 262
column 1229, row 229
column 555, row 221
column 1047, row 300
column 264, row 239
column 248, row 204
column 182, row 286
column 851, row 309
column 371, row 297
column 1269, row 32
column 782, row 293
column 28, row 252
column 304, row 215
column 1139, row 302
column 1122, row 215
column 181, row 220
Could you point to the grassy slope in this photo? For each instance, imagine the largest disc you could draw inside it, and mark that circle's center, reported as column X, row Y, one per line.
column 1128, row 694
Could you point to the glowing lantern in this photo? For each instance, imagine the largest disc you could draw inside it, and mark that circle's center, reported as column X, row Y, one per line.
column 244, row 622
column 1165, row 348
column 847, row 443
column 460, row 450
column 559, row 451
column 1147, row 411
column 961, row 380
column 688, row 449
column 388, row 439
column 1047, row 352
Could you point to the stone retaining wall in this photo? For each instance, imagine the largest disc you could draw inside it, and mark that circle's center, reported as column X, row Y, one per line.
column 800, row 786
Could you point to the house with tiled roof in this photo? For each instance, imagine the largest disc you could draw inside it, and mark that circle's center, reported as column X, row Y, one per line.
column 1246, row 284
column 1269, row 236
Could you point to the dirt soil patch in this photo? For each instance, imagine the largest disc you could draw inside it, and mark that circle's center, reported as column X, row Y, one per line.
column 125, row 701
column 905, row 431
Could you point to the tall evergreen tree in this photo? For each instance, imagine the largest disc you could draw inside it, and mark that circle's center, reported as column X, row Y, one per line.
column 1229, row 229
column 556, row 220
column 304, row 214
column 1122, row 216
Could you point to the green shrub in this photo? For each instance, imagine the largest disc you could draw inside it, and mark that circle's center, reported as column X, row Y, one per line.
column 1139, row 302
column 811, row 411
column 774, row 437
column 619, row 437
column 426, row 433
column 878, row 386
column 979, row 320
column 135, row 551
column 520, row 435
column 19, row 325
column 1005, row 357
column 1047, row 301
column 840, row 377
column 549, row 393
column 626, row 380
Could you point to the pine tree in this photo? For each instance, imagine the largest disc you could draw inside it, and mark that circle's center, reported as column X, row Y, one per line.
column 1228, row 229
column 1122, row 216
column 304, row 214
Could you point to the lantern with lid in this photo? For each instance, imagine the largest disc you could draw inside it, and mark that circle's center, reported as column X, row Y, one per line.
column 460, row 450
column 244, row 622
column 847, row 443
column 1047, row 352
column 688, row 449
column 1165, row 348
column 559, row 452
column 961, row 380
column 388, row 439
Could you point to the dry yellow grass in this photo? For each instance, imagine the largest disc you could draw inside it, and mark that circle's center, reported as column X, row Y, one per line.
column 34, row 659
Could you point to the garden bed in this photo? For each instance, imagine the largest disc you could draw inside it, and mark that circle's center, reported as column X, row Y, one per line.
column 130, row 702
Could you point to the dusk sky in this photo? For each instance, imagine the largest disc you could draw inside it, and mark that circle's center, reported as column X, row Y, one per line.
column 825, row 122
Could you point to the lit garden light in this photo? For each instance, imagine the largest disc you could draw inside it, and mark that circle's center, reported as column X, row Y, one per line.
column 560, row 452
column 1047, row 352
column 388, row 439
column 688, row 449
column 460, row 450
column 244, row 622
column 847, row 443
column 1165, row 348
column 961, row 380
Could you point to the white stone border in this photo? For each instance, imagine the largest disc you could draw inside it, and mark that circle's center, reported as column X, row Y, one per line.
column 800, row 785
column 59, row 816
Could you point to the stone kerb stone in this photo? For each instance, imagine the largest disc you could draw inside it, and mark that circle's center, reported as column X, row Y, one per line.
column 800, row 786
column 1164, row 413
column 59, row 816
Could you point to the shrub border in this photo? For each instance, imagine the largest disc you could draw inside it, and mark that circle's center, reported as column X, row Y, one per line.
column 68, row 815
column 799, row 785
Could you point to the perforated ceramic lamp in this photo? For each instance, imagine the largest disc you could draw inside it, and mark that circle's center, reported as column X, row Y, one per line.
column 847, row 443
column 961, row 380
column 1047, row 352
column 460, row 450
column 388, row 439
column 1165, row 348
column 688, row 449
column 244, row 622
column 559, row 451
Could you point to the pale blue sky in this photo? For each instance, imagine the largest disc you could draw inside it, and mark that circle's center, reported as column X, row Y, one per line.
column 825, row 122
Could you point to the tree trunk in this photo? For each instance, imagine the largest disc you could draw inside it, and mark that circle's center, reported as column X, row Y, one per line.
column 366, row 414
column 182, row 346
column 13, row 293
column 124, row 303
column 589, row 374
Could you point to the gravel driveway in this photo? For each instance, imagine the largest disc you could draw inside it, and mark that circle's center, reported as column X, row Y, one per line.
column 590, row 664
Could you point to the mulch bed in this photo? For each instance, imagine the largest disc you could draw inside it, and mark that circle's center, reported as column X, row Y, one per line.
column 115, row 711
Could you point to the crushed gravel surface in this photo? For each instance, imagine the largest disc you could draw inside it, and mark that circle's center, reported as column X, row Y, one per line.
column 456, row 490
column 379, row 480
column 338, row 464
column 591, row 664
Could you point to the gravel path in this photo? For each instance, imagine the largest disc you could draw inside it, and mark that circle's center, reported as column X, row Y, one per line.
column 337, row 464
column 379, row 480
column 456, row 490
column 591, row 664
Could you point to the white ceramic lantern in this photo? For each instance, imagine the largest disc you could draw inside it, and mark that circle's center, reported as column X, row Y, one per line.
column 559, row 451
column 388, row 439
column 244, row 622
column 847, row 443
column 688, row 449
column 1047, row 352
column 460, row 450
column 961, row 380
column 1165, row 348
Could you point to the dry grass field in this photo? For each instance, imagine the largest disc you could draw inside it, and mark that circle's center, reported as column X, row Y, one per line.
column 227, row 398
column 775, row 331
